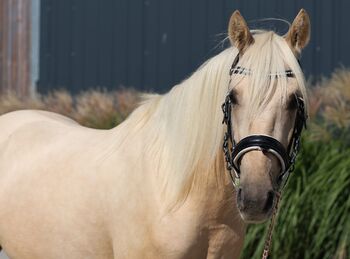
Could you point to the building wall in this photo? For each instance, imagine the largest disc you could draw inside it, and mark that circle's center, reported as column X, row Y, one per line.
column 153, row 44
column 15, row 36
column 34, row 55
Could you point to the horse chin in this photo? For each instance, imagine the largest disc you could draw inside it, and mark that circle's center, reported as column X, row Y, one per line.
column 255, row 219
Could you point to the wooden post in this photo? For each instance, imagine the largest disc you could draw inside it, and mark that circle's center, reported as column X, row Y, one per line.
column 15, row 45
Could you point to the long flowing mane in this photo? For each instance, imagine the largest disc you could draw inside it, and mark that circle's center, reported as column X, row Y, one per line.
column 184, row 125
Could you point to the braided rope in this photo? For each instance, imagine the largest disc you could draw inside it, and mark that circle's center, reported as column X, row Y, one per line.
column 268, row 239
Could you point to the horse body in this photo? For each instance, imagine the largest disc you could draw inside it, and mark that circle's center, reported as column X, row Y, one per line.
column 88, row 202
column 156, row 186
column 49, row 184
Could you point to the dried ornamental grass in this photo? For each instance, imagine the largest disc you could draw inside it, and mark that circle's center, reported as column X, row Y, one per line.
column 96, row 109
column 332, row 120
column 60, row 102
column 11, row 102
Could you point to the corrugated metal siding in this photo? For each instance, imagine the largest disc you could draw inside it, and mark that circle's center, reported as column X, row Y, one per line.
column 154, row 44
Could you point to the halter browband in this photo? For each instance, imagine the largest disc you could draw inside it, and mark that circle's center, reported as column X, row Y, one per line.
column 245, row 71
column 234, row 152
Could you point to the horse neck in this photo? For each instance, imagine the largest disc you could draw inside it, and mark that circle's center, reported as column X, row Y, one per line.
column 183, row 131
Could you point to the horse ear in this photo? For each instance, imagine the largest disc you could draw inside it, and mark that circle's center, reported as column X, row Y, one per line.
column 238, row 32
column 298, row 35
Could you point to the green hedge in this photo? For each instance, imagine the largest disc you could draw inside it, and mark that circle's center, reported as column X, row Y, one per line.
column 314, row 215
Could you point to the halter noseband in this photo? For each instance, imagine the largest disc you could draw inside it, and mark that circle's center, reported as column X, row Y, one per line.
column 234, row 152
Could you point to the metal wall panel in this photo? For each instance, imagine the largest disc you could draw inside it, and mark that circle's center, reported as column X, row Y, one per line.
column 153, row 44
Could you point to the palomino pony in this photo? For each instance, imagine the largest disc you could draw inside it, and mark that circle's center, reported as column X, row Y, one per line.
column 157, row 185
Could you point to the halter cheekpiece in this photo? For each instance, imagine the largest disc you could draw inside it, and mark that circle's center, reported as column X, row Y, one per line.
column 234, row 152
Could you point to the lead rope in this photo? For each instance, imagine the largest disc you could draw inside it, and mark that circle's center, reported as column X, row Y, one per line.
column 296, row 147
column 268, row 238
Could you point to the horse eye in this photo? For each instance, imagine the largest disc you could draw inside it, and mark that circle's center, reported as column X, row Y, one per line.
column 293, row 102
column 233, row 97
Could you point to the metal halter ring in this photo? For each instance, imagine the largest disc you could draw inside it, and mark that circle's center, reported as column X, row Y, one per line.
column 239, row 156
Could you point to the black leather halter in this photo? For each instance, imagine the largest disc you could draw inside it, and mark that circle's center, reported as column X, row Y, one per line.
column 234, row 152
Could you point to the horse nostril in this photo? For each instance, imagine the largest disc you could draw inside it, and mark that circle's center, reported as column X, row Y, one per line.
column 269, row 201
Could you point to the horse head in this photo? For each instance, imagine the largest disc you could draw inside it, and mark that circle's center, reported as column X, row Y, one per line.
column 264, row 112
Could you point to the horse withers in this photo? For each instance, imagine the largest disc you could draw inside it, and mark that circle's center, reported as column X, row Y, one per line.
column 158, row 185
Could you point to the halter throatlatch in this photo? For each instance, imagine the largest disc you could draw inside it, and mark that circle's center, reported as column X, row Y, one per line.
column 234, row 152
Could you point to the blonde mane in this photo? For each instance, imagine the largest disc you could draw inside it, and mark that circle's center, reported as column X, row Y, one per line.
column 184, row 126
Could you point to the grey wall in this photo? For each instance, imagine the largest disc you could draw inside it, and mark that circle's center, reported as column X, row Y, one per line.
column 153, row 44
